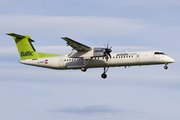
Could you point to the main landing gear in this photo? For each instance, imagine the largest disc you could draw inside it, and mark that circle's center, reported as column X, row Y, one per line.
column 86, row 61
column 104, row 73
column 84, row 67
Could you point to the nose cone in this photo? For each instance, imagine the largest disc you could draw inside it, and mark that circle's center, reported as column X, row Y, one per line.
column 170, row 60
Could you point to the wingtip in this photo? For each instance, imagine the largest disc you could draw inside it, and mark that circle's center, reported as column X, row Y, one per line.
column 9, row 33
column 64, row 37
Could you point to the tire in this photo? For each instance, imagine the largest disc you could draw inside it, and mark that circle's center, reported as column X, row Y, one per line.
column 166, row 67
column 104, row 76
column 83, row 69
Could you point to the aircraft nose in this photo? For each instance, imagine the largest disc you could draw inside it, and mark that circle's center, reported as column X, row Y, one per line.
column 170, row 60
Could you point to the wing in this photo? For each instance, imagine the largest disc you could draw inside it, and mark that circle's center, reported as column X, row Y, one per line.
column 75, row 45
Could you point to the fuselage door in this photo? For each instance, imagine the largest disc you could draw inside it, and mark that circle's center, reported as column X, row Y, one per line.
column 61, row 62
column 137, row 58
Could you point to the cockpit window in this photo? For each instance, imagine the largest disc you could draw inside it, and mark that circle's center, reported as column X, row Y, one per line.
column 156, row 53
column 159, row 53
column 162, row 53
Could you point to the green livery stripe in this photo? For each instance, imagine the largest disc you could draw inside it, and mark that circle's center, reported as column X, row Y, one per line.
column 43, row 55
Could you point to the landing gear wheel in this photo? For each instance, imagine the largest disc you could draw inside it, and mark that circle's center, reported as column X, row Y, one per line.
column 104, row 73
column 104, row 76
column 83, row 69
column 166, row 67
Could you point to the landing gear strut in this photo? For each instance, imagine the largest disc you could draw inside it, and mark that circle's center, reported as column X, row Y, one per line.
column 104, row 73
column 84, row 67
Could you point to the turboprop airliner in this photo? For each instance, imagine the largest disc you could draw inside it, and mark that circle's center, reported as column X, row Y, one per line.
column 84, row 57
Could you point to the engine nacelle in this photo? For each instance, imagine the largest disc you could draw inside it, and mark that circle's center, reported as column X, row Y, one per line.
column 98, row 52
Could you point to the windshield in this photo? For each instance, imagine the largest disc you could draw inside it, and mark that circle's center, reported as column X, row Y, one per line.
column 159, row 53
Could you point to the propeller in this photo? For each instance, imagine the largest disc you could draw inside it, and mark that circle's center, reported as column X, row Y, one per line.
column 107, row 52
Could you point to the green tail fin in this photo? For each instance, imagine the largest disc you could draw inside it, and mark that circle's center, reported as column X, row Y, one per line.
column 26, row 49
column 24, row 45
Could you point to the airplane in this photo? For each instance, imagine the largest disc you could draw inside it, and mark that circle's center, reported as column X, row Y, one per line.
column 84, row 57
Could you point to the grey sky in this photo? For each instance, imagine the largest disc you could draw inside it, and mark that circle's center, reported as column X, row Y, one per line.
column 135, row 93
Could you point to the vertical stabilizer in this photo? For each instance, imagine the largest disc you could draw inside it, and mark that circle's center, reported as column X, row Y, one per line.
column 24, row 45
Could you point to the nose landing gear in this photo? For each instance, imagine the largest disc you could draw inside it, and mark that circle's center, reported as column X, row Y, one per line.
column 166, row 67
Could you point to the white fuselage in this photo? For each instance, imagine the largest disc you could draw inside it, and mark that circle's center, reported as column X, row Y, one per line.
column 117, row 59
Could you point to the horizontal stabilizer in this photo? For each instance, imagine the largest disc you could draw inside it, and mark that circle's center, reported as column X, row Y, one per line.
column 20, row 36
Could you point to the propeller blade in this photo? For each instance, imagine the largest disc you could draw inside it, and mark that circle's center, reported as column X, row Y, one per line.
column 109, row 55
column 107, row 52
column 106, row 57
